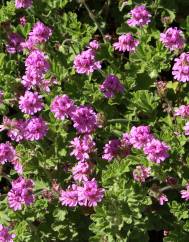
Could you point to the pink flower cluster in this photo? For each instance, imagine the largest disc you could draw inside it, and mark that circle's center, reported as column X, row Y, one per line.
column 182, row 111
column 83, row 117
column 141, row 173
column 82, row 147
column 173, row 38
column 36, row 67
column 94, row 45
column 111, row 86
column 7, row 153
column 180, row 69
column 162, row 198
column 21, row 193
column 82, row 170
column 62, row 107
column 89, row 194
column 5, row 235
column 186, row 129
column 126, row 42
column 86, row 63
column 31, row 103
column 185, row 193
column 23, row 3
column 40, row 34
column 14, row 44
column 117, row 148
column 31, row 129
column 140, row 138
column 139, row 16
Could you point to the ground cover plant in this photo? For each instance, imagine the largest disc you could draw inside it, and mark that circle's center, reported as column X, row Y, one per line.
column 94, row 128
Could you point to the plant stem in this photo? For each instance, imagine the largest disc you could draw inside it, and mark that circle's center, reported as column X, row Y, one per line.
column 119, row 120
column 91, row 15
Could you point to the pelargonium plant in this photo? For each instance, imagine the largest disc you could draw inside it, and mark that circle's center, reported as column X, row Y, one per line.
column 94, row 121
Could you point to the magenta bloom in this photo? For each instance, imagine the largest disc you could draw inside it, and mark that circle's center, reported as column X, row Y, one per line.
column 180, row 69
column 5, row 236
column 14, row 44
column 173, row 38
column 86, row 63
column 36, row 128
column 162, row 199
column 81, row 171
column 39, row 34
column 139, row 136
column 182, row 111
column 90, row 194
column 84, row 119
column 94, row 45
column 23, row 3
column 37, row 60
column 62, row 107
column 186, row 129
column 111, row 149
column 31, row 103
column 36, row 67
column 139, row 16
column 70, row 196
column 156, row 151
column 140, row 173
column 17, row 166
column 126, row 42
column 23, row 21
column 15, row 128
column 82, row 147
column 21, row 193
column 185, row 193
column 111, row 86
column 7, row 153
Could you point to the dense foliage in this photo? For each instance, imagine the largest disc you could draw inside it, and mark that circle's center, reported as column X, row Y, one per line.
column 94, row 134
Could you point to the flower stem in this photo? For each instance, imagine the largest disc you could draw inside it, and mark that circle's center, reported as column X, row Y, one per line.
column 91, row 15
column 118, row 120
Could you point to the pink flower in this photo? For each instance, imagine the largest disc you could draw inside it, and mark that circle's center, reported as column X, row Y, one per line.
column 23, row 20
column 94, row 45
column 17, row 166
column 186, row 129
column 5, row 236
column 7, row 153
column 31, row 103
column 111, row 149
column 185, row 193
column 15, row 128
column 173, row 38
column 84, row 119
column 14, row 44
column 162, row 199
column 21, row 193
column 39, row 34
column 182, row 111
column 70, row 196
column 111, row 86
column 126, row 42
column 23, row 3
column 156, row 151
column 140, row 173
column 36, row 128
column 90, row 194
column 140, row 136
column 139, row 16
column 62, row 107
column 82, row 147
column 86, row 63
column 81, row 171
column 180, row 69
